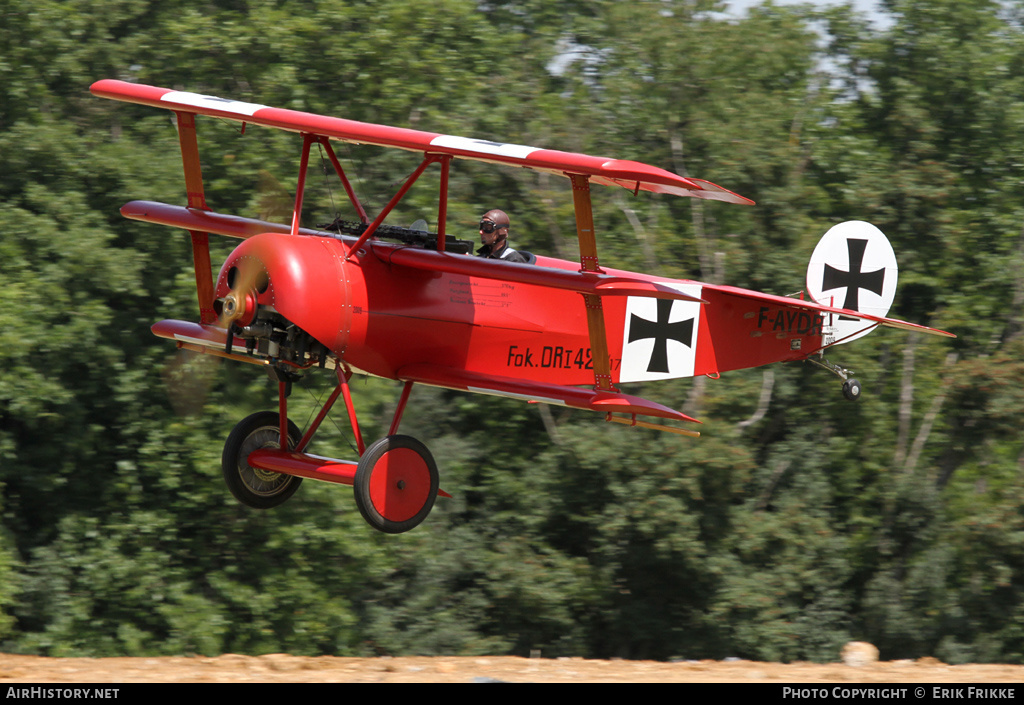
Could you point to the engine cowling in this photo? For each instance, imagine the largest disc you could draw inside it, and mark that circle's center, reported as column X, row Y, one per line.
column 286, row 292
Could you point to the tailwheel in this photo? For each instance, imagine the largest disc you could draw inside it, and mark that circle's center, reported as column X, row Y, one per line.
column 852, row 389
column 253, row 487
column 396, row 484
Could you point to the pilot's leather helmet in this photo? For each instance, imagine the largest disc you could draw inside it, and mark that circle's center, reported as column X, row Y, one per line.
column 493, row 220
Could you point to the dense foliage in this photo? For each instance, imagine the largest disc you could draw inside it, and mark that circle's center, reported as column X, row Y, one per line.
column 795, row 524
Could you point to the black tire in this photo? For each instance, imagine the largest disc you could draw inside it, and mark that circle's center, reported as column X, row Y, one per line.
column 259, row 489
column 396, row 495
column 852, row 389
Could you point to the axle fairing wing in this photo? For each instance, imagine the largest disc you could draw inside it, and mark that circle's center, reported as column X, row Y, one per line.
column 612, row 172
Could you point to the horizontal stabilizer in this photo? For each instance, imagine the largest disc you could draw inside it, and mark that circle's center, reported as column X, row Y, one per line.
column 807, row 305
column 574, row 397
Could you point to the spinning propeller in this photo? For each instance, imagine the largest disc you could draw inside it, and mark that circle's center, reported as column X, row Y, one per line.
column 189, row 375
column 246, row 280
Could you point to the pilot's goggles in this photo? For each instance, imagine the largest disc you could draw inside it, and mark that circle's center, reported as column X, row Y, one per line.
column 489, row 226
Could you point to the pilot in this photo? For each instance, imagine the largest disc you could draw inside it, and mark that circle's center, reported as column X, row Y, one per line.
column 494, row 236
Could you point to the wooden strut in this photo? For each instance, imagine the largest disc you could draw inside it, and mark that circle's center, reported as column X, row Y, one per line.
column 326, row 143
column 400, row 409
column 442, row 202
column 300, row 189
column 282, row 408
column 656, row 426
column 342, row 389
column 343, row 378
column 428, row 159
column 196, row 199
column 324, row 410
column 589, row 263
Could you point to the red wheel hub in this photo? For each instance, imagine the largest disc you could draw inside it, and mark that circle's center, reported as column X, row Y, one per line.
column 400, row 484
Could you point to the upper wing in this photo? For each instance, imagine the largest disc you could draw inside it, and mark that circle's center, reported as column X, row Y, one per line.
column 628, row 174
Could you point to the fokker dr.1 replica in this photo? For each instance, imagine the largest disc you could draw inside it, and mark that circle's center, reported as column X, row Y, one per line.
column 409, row 305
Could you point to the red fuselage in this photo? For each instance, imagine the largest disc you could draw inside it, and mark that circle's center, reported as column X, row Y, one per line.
column 380, row 315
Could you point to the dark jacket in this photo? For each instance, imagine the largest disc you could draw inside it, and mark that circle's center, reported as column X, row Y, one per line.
column 505, row 253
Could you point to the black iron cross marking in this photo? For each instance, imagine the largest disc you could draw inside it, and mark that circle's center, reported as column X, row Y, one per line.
column 662, row 331
column 855, row 279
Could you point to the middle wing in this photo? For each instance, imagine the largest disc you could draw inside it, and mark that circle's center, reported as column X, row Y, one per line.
column 584, row 283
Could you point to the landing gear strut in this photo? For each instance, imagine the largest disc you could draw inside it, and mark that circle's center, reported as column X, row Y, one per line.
column 851, row 386
column 395, row 481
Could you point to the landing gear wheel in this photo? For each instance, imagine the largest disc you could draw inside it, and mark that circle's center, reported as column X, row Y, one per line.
column 851, row 389
column 396, row 484
column 260, row 489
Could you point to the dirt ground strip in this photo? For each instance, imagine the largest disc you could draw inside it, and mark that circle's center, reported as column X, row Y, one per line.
column 282, row 668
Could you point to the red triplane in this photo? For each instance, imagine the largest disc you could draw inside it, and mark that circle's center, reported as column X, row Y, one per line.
column 423, row 310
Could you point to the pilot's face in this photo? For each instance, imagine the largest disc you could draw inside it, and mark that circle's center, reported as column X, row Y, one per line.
column 491, row 233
